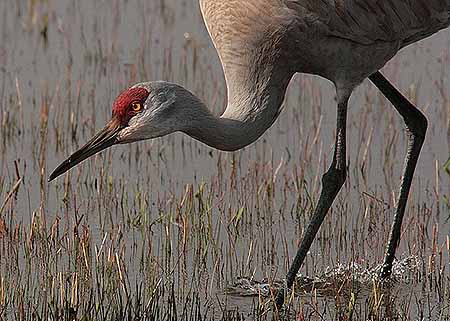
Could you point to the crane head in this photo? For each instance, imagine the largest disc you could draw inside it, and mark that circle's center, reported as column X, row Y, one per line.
column 143, row 111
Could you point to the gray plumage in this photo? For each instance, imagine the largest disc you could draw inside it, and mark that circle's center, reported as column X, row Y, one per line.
column 262, row 44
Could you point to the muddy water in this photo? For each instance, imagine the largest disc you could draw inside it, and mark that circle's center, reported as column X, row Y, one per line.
column 63, row 62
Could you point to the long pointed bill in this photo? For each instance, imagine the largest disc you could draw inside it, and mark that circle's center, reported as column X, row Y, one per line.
column 102, row 140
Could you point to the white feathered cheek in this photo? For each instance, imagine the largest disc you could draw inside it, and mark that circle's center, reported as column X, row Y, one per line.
column 146, row 125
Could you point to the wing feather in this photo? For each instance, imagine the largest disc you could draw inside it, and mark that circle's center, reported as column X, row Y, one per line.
column 368, row 21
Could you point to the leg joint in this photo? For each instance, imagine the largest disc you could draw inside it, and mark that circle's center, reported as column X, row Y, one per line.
column 417, row 123
column 334, row 178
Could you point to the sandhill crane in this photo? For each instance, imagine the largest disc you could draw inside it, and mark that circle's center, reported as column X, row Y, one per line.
column 262, row 44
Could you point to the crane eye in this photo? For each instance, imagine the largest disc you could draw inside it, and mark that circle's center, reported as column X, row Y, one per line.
column 137, row 107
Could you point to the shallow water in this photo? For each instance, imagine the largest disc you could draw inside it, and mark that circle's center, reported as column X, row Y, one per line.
column 175, row 210
column 349, row 278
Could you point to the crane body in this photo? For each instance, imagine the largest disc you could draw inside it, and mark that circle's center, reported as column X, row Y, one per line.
column 261, row 45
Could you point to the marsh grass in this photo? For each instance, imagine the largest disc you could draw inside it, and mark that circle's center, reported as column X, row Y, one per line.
column 172, row 230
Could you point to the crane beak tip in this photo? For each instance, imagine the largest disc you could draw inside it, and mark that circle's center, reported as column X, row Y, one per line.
column 52, row 176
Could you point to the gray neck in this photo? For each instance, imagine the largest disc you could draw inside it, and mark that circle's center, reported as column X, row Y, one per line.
column 251, row 110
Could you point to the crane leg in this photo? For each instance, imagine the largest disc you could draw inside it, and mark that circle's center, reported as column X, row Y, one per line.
column 416, row 126
column 332, row 182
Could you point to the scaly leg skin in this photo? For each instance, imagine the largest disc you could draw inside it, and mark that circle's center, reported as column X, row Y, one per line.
column 332, row 182
column 416, row 125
